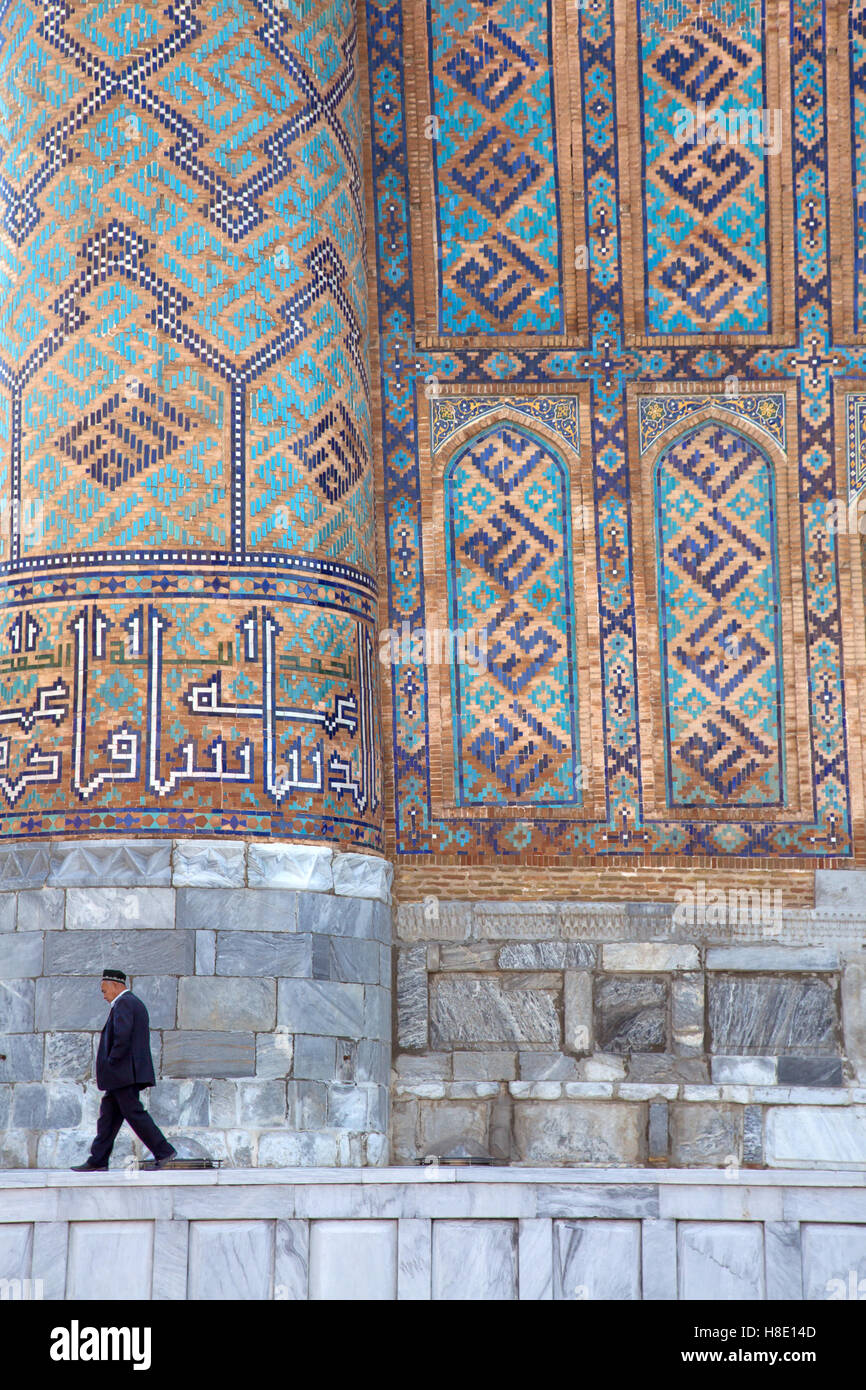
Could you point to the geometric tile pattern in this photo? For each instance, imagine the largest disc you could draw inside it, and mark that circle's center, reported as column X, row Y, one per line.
column 657, row 413
column 721, row 631
column 507, row 523
column 609, row 367
column 184, row 349
column 494, row 160
column 705, row 215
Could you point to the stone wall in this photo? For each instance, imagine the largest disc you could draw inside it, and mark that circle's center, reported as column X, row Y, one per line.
column 570, row 1033
column 266, row 970
column 435, row 1234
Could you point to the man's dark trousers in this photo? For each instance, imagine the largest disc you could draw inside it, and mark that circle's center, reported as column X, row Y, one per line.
column 117, row 1106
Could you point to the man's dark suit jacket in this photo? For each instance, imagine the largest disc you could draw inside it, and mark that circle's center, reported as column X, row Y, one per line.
column 123, row 1058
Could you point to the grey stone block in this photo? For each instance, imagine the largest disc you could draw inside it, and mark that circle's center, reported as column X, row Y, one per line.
column 69, row 1003
column 469, row 955
column 331, row 916
column 382, row 922
column 577, row 1011
column 347, row 1107
column 158, row 993
column 787, row 958
column 263, row 953
column 315, row 1057
column 854, row 1016
column 262, row 1103
column 16, row 1006
column 666, row 1067
column 373, row 1062
column 23, row 866
column 464, row 1009
column 135, row 952
column 769, row 1014
column 687, row 1015
column 377, row 1012
column 205, row 952
column 744, row 1071
column 631, row 1013
column 20, row 955
column 810, row 1071
column 705, row 1134
column 121, row 863
column 412, row 1000
column 20, row 1057
column 433, row 1066
column 223, row 1104
column 46, row 1105
column 322, row 957
column 309, row 1100
column 192, row 1053
column 69, row 1056
column 281, row 1150
column 41, row 909
column 321, row 1006
column 378, row 1108
column 563, row 1132
column 533, row 955
column 5, row 1107
column 184, row 1103
column 298, row 867
column 8, row 911
column 657, row 1132
column 545, row 1066
column 385, row 966
column 237, row 909
column 353, row 960
column 227, row 1003
column 841, row 890
column 119, row 908
column 347, row 1058
column 209, row 864
column 487, row 1066
column 753, row 1135
column 274, row 1054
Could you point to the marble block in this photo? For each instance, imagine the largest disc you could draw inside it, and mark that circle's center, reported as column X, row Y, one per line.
column 20, row 955
column 291, row 1260
column 770, row 1014
column 362, row 876
column 722, row 1260
column 208, row 1002
column 353, row 1261
column 137, row 952
column 41, row 909
column 301, row 867
column 110, row 1261
column 231, row 1260
column 597, row 1132
column 263, row 953
column 464, row 1009
column 21, row 1057
column 659, row 1260
column 89, row 909
column 834, row 1262
column 595, row 1261
column 807, row 1136
column 414, row 1258
column 212, row 1053
column 98, row 863
column 412, row 998
column 16, row 1252
column 631, row 1012
column 474, row 1261
column 209, row 863
column 237, row 909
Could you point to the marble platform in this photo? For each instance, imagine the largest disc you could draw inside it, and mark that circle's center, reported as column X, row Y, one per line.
column 434, row 1233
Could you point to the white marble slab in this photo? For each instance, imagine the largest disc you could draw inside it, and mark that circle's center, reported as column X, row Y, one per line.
column 414, row 1257
column 535, row 1259
column 659, row 1260
column 109, row 1260
column 809, row 1135
column 353, row 1260
column 231, row 1260
column 16, row 1251
column 596, row 1260
column 50, row 1246
column 834, row 1263
column 722, row 1261
column 474, row 1261
column 783, row 1260
column 291, row 1261
column 170, row 1251
column 731, row 1200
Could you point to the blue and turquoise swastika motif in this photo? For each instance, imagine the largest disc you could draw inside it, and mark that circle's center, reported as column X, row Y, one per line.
column 720, row 638
column 508, row 545
column 495, row 168
column 704, row 116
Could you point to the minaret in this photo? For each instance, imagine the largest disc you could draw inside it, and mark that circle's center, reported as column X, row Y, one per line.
column 190, row 784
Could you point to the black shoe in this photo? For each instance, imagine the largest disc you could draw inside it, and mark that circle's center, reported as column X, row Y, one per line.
column 90, row 1168
column 166, row 1158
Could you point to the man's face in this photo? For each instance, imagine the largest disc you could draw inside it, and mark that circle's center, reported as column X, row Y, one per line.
column 111, row 989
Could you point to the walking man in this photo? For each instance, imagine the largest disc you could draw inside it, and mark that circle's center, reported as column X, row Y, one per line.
column 124, row 1067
